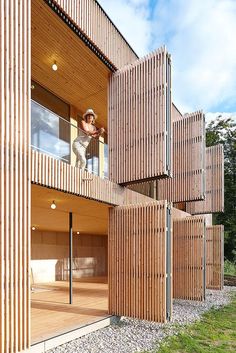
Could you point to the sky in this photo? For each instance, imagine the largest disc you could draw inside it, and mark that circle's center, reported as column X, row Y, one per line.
column 200, row 35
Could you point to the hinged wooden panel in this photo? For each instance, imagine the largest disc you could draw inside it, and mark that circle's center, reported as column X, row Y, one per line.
column 215, row 257
column 139, row 119
column 139, row 243
column 189, row 258
column 15, row 204
column 188, row 172
column 214, row 201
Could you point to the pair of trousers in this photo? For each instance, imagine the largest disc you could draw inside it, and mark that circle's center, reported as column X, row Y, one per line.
column 79, row 150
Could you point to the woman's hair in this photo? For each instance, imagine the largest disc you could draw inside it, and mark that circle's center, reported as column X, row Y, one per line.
column 85, row 118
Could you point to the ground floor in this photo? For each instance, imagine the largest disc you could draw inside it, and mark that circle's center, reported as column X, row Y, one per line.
column 132, row 335
column 52, row 314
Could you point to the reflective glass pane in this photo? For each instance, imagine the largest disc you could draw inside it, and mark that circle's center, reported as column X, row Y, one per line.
column 49, row 132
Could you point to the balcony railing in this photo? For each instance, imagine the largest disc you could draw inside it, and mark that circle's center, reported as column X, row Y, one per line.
column 54, row 135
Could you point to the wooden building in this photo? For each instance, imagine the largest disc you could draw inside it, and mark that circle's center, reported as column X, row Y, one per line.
column 81, row 247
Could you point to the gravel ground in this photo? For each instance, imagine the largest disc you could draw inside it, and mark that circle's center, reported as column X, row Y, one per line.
column 132, row 335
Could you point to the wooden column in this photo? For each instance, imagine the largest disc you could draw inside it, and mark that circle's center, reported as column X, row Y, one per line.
column 15, row 176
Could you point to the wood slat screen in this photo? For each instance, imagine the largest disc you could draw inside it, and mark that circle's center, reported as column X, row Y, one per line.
column 188, row 180
column 214, row 201
column 147, row 188
column 95, row 23
column 53, row 173
column 15, row 176
column 189, row 258
column 176, row 115
column 139, row 119
column 215, row 257
column 138, row 251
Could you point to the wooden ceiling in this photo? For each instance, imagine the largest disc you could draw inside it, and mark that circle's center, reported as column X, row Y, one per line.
column 81, row 79
column 89, row 217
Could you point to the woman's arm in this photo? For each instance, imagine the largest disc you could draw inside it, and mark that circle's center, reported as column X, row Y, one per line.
column 85, row 129
column 96, row 133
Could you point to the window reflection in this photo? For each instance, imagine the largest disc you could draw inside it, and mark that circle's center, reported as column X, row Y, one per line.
column 49, row 132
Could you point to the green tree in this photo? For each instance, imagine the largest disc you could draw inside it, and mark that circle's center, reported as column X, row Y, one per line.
column 223, row 130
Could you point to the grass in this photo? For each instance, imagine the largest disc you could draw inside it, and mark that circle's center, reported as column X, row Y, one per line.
column 229, row 268
column 215, row 333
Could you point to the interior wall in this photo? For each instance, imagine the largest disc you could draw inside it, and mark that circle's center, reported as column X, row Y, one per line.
column 49, row 256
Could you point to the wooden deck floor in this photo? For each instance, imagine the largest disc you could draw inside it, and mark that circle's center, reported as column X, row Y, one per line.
column 51, row 314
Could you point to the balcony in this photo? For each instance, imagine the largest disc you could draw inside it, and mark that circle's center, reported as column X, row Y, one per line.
column 53, row 135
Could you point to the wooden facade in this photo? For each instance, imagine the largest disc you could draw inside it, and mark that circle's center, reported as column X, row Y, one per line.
column 147, row 188
column 139, row 131
column 86, row 88
column 215, row 257
column 214, row 201
column 139, row 247
column 15, row 176
column 189, row 258
column 53, row 173
column 188, row 172
column 140, row 110
column 176, row 115
column 98, row 28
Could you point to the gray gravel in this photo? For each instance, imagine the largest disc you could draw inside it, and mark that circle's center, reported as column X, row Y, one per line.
column 132, row 335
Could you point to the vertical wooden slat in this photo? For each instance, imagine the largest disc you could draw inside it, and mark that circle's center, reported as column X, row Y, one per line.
column 137, row 261
column 214, row 201
column 84, row 184
column 136, row 153
column 94, row 22
column 188, row 168
column 15, row 170
column 215, row 257
column 188, row 258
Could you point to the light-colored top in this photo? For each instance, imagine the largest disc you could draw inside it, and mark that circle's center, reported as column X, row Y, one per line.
column 83, row 138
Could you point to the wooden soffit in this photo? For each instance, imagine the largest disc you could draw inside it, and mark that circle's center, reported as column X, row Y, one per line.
column 81, row 79
column 89, row 217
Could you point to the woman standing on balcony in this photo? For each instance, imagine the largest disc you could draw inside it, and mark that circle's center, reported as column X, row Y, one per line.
column 86, row 132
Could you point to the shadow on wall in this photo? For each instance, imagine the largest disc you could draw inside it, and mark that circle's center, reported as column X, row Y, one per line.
column 50, row 263
column 82, row 267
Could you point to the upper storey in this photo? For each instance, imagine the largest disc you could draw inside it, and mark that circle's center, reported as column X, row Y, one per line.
column 92, row 20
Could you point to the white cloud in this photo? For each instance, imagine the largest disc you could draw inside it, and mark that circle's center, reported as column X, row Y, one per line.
column 131, row 17
column 213, row 116
column 200, row 35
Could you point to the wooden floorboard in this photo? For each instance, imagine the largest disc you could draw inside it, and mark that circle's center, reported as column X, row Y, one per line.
column 51, row 315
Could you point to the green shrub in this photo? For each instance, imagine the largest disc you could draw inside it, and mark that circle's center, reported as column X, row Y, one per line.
column 229, row 268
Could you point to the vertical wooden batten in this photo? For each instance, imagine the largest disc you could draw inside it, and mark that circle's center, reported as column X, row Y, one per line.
column 97, row 29
column 215, row 257
column 15, row 171
column 188, row 172
column 139, row 120
column 140, row 261
column 214, row 201
column 53, row 173
column 189, row 258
